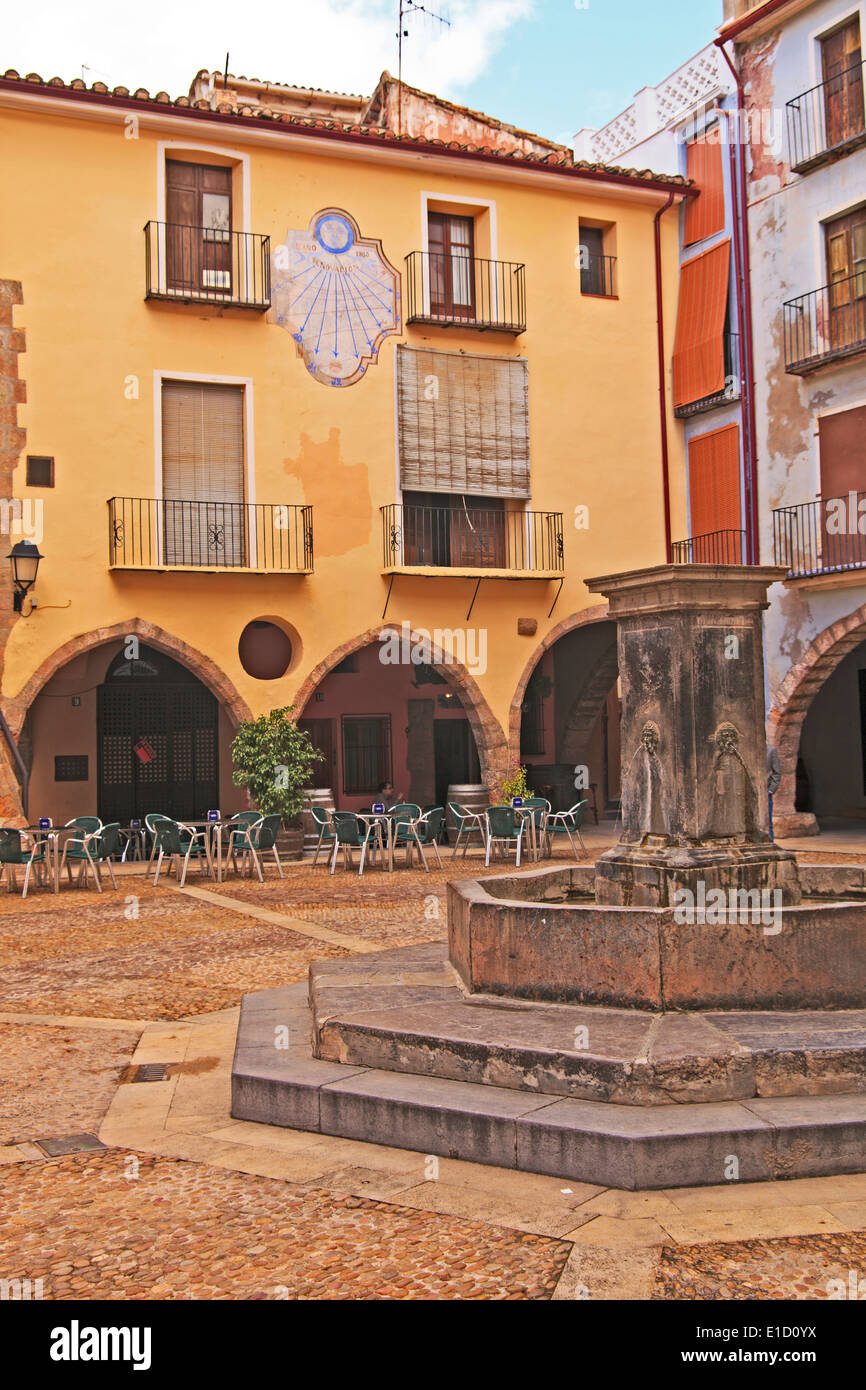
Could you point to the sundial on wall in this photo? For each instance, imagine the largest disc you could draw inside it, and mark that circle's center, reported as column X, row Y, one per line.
column 338, row 296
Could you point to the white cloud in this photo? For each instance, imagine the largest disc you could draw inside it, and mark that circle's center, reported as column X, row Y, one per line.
column 338, row 44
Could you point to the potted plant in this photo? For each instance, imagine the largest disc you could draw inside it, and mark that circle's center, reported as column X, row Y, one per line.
column 273, row 759
column 513, row 784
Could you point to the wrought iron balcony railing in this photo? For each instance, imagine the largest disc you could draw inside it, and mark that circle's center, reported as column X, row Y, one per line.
column 203, row 265
column 826, row 121
column 472, row 538
column 820, row 537
column 715, row 548
column 825, row 324
column 156, row 533
column 598, row 276
column 465, row 292
column 731, row 389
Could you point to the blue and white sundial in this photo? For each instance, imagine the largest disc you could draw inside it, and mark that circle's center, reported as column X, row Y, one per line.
column 337, row 295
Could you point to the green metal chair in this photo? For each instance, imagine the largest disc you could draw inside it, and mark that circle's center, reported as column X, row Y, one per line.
column 263, row 837
column 426, row 832
column 179, row 850
column 539, row 809
column 404, row 815
column 468, row 823
column 240, row 839
column 504, row 827
column 567, row 823
column 90, row 848
column 322, row 819
column 350, row 833
column 14, row 849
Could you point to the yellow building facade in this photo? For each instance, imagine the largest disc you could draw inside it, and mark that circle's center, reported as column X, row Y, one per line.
column 327, row 417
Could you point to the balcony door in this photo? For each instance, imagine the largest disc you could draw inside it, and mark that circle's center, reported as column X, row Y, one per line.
column 841, row 61
column 458, row 531
column 846, row 277
column 203, row 513
column 451, row 243
column 198, row 235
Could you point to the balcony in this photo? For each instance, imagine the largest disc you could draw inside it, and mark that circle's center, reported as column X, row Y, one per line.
column 714, row 548
column 825, row 325
column 201, row 265
column 731, row 389
column 465, row 292
column 820, row 537
column 598, row 276
column 472, row 540
column 155, row 533
column 827, row 121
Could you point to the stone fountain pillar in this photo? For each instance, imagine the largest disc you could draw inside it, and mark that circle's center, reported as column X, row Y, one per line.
column 694, row 753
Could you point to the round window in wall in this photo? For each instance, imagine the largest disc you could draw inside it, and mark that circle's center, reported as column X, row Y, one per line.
column 265, row 650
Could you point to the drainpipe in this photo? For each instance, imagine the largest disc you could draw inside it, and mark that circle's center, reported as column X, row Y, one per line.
column 739, row 287
column 748, row 365
column 663, row 414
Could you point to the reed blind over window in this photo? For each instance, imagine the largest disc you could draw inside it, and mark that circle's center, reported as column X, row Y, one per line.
column 463, row 423
column 203, row 463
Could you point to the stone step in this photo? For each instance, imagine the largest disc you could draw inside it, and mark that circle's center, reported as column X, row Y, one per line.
column 404, row 1011
column 276, row 1080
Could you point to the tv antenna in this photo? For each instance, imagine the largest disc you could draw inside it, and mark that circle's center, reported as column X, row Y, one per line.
column 407, row 8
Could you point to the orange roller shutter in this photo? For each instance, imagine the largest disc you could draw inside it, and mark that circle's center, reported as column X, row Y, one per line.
column 705, row 215
column 714, row 482
column 699, row 349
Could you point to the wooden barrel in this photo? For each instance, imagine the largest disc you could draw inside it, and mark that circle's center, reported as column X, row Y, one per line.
column 314, row 796
column 472, row 796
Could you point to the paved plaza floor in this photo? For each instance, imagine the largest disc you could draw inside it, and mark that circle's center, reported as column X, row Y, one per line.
column 124, row 1176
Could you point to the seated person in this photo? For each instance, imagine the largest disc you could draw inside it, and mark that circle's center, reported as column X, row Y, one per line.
column 388, row 796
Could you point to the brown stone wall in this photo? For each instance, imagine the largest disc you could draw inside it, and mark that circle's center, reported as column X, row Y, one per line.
column 12, row 439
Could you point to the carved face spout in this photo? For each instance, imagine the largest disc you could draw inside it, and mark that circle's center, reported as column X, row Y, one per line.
column 650, row 737
column 727, row 738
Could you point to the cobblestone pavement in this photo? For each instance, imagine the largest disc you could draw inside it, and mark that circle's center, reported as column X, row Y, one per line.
column 122, row 1226
column 58, row 1081
column 794, row 1267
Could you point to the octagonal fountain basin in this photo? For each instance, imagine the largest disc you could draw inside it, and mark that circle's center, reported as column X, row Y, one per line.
column 541, row 935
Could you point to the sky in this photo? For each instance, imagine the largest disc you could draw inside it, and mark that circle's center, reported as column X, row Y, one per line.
column 549, row 66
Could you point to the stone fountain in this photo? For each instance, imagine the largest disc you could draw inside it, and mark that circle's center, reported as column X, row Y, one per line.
column 691, row 999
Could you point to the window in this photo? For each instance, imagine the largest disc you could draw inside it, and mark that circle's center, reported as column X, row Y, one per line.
column 40, row 471
column 349, row 666
column 321, row 732
column 463, row 423
column 203, row 512
column 842, row 71
column 451, row 244
column 71, row 767
column 699, row 344
column 846, row 279
column 198, row 234
column 596, row 268
column 705, row 214
column 366, row 753
column 842, row 444
column 714, row 494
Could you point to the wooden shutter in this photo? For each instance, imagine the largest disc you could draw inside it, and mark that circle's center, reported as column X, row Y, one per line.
column 699, row 346
column 203, row 473
column 714, row 482
column 842, row 444
column 705, row 215
column 463, row 423
column 843, row 84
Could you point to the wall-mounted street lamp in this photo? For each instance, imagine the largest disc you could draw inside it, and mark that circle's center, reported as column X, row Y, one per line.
column 24, row 558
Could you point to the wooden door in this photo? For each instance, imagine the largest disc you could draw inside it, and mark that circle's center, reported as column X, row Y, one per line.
column 842, row 448
column 478, row 535
column 451, row 242
column 843, row 84
column 846, row 279
column 198, row 235
column 321, row 732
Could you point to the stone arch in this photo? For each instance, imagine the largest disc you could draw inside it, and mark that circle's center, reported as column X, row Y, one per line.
column 201, row 666
column 488, row 733
column 598, row 613
column 791, row 704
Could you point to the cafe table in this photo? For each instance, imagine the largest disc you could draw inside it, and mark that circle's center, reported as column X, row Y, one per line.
column 383, row 822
